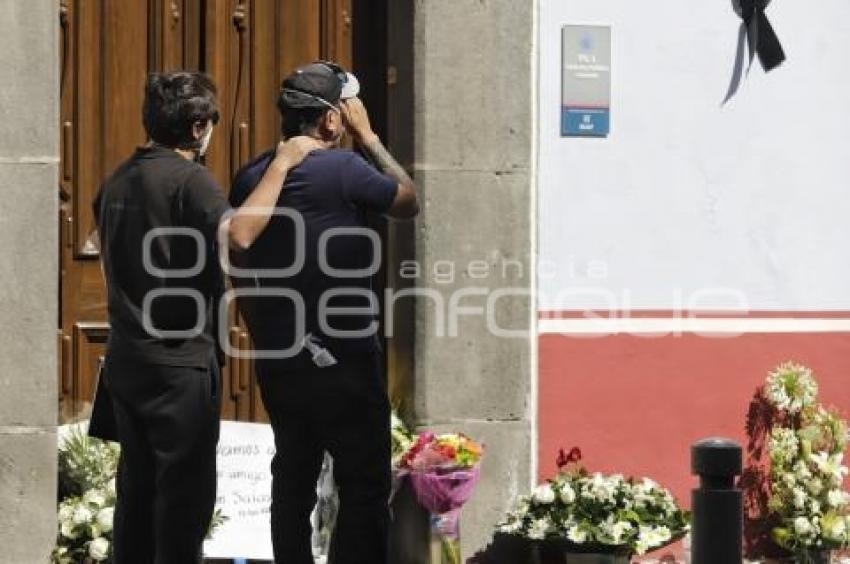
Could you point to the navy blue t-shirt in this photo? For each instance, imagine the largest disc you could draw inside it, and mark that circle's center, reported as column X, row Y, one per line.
column 331, row 189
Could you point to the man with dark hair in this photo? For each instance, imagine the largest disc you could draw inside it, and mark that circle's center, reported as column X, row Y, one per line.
column 319, row 361
column 158, row 215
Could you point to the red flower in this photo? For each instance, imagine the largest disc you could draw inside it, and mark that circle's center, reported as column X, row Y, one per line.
column 564, row 459
column 422, row 441
column 448, row 451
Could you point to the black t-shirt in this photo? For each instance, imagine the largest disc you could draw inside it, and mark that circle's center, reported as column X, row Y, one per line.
column 161, row 300
column 330, row 190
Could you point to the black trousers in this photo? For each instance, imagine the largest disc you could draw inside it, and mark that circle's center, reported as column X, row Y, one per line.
column 342, row 409
column 168, row 426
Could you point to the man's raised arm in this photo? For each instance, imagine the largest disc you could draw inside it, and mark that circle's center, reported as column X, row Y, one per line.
column 405, row 205
column 252, row 217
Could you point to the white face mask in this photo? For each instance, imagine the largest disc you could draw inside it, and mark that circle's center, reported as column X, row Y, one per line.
column 205, row 142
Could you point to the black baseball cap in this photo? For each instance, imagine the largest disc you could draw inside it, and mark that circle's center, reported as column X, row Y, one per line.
column 318, row 85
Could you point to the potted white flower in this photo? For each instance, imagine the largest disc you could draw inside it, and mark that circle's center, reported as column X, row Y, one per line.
column 584, row 518
column 806, row 445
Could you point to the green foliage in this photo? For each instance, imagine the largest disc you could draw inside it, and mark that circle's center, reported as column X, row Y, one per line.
column 85, row 462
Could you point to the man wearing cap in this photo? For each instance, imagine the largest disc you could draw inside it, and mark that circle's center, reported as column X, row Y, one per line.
column 318, row 357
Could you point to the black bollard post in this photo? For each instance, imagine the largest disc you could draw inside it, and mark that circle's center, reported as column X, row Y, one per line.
column 717, row 505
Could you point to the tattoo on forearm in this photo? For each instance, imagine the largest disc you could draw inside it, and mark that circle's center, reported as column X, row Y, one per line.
column 386, row 163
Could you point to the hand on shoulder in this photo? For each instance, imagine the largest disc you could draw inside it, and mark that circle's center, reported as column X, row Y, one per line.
column 291, row 152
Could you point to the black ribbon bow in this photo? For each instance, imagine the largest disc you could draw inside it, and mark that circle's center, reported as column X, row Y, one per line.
column 760, row 35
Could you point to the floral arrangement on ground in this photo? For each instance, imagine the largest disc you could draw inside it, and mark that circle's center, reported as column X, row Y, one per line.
column 586, row 512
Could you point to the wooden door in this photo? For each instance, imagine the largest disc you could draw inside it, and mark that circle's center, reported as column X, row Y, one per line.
column 108, row 47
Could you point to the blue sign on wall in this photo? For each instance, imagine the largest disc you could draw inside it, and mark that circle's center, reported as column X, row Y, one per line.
column 586, row 81
column 585, row 121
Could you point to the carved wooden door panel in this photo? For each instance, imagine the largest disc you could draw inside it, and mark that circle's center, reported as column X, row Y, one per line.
column 108, row 47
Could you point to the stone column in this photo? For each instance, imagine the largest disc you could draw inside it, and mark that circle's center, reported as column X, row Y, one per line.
column 473, row 124
column 29, row 148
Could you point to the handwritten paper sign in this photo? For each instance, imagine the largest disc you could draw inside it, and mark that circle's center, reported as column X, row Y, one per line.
column 245, row 452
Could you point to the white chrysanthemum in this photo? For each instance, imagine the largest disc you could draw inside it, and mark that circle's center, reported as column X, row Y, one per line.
column 837, row 498
column 649, row 484
column 644, row 492
column 66, row 529
column 510, row 527
column 567, row 494
column 600, row 488
column 783, row 444
column 99, row 549
column 613, row 531
column 110, row 488
column 66, row 512
column 802, row 472
column 619, row 530
column 650, row 538
column 544, row 494
column 538, row 529
column 105, row 518
column 803, row 527
column 791, row 387
column 642, row 499
column 577, row 535
column 82, row 515
column 799, row 497
column 95, row 497
column 830, row 467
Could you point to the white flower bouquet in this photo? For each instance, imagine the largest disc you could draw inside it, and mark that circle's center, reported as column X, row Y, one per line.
column 596, row 513
column 87, row 468
column 806, row 448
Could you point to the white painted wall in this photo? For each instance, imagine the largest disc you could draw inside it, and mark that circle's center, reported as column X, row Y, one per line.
column 686, row 195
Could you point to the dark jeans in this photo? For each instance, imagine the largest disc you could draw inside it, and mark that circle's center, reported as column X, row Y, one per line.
column 342, row 409
column 168, row 425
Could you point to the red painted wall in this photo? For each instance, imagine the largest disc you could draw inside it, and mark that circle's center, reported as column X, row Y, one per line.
column 635, row 404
